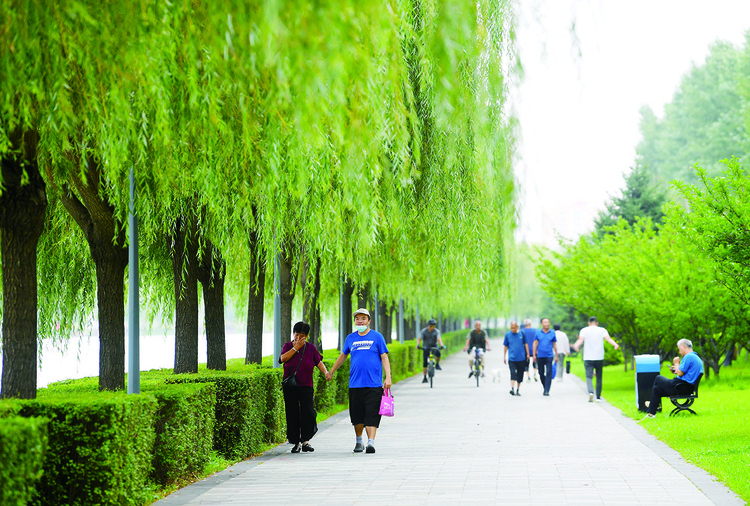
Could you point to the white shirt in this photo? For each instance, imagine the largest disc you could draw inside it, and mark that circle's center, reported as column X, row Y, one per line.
column 563, row 344
column 593, row 342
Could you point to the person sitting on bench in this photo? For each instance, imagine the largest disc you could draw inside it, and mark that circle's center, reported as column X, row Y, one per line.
column 686, row 370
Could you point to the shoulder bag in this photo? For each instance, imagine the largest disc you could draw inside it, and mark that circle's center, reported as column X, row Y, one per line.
column 291, row 381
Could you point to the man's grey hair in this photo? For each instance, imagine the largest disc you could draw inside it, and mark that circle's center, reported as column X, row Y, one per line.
column 513, row 322
column 477, row 321
column 685, row 342
column 527, row 322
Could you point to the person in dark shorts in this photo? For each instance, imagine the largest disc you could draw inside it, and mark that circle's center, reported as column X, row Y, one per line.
column 528, row 336
column 369, row 362
column 429, row 337
column 477, row 338
column 517, row 351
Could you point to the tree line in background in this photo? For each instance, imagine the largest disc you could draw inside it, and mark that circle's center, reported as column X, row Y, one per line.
column 670, row 256
column 354, row 147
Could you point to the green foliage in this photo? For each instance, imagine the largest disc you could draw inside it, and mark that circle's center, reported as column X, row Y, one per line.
column 388, row 125
column 23, row 443
column 718, row 224
column 639, row 200
column 184, row 431
column 100, row 448
column 717, row 440
column 704, row 123
column 649, row 289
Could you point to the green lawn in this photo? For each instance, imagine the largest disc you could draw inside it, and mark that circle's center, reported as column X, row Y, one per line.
column 717, row 439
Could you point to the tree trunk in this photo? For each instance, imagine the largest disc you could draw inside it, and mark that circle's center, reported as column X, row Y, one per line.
column 287, row 284
column 106, row 239
column 363, row 298
column 311, row 307
column 347, row 309
column 385, row 321
column 184, row 248
column 22, row 212
column 256, row 295
column 211, row 273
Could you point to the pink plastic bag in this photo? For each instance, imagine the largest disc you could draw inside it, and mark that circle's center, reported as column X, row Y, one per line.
column 386, row 403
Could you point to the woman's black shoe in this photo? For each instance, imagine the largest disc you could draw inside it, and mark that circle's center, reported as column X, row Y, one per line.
column 307, row 448
column 296, row 448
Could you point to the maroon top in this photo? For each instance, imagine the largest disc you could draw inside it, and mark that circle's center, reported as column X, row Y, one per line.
column 309, row 362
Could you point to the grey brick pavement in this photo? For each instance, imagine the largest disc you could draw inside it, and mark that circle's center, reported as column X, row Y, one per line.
column 458, row 444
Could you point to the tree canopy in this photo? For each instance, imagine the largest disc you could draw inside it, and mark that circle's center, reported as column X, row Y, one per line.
column 371, row 139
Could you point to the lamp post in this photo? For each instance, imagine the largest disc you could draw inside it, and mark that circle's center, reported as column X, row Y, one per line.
column 134, row 352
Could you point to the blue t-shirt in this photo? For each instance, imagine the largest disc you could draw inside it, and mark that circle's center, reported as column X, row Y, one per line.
column 366, row 369
column 544, row 348
column 692, row 365
column 528, row 337
column 516, row 346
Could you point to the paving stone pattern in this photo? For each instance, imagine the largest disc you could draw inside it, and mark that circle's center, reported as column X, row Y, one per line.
column 459, row 444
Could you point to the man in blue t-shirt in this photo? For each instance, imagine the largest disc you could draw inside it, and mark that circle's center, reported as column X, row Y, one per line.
column 517, row 351
column 545, row 352
column 369, row 361
column 528, row 337
column 686, row 369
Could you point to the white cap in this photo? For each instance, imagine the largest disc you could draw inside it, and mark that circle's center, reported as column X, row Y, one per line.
column 362, row 311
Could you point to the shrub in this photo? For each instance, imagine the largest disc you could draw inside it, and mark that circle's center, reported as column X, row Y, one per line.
column 23, row 442
column 241, row 404
column 99, row 448
column 184, row 430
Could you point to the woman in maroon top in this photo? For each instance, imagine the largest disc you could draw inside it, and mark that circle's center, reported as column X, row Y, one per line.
column 298, row 400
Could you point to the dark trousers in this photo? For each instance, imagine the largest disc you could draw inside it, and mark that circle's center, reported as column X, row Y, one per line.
column 663, row 387
column 591, row 366
column 300, row 414
column 545, row 371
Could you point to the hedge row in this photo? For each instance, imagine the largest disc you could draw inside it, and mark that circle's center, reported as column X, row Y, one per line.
column 23, row 442
column 112, row 448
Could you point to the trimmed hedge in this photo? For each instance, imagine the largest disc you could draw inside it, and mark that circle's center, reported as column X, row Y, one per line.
column 23, row 443
column 249, row 408
column 184, row 431
column 100, row 448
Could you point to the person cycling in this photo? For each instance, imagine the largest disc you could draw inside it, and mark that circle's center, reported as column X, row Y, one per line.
column 477, row 338
column 431, row 337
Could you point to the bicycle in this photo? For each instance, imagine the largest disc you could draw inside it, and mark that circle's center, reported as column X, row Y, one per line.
column 431, row 361
column 478, row 354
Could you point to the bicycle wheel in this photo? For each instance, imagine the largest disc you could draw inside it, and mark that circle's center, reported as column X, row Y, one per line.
column 430, row 369
column 477, row 373
column 430, row 381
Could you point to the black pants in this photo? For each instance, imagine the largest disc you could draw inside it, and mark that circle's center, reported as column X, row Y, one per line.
column 663, row 387
column 545, row 371
column 300, row 414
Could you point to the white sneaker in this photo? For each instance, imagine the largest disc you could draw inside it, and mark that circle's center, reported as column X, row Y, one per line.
column 648, row 415
column 591, row 397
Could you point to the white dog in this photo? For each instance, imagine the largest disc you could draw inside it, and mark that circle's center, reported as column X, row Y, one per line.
column 496, row 375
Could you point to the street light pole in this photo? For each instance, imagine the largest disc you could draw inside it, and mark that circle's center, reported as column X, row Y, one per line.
column 134, row 352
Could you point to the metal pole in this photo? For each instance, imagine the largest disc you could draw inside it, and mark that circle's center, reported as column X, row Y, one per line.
column 276, row 313
column 134, row 352
column 401, row 321
column 417, row 326
column 376, row 311
column 342, row 332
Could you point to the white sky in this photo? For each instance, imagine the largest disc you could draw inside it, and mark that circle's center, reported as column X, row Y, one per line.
column 579, row 114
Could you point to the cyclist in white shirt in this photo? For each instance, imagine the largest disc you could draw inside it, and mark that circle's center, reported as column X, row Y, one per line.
column 593, row 354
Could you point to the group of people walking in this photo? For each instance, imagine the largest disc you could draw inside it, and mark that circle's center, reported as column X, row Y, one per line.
column 526, row 349
column 369, row 375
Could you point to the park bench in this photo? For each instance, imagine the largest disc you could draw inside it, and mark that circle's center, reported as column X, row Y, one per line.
column 686, row 395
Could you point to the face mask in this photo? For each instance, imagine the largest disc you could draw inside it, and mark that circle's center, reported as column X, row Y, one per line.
column 361, row 328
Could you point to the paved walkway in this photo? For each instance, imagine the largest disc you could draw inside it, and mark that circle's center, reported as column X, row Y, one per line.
column 457, row 444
